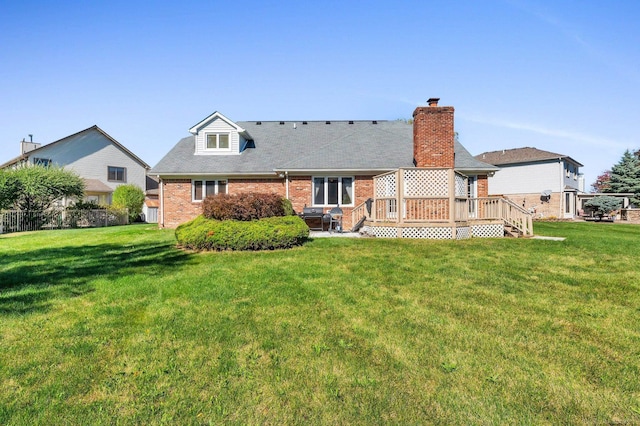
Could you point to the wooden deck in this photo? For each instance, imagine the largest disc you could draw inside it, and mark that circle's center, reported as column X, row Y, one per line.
column 432, row 202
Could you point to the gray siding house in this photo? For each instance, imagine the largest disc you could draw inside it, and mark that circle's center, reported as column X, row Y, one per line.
column 100, row 160
column 546, row 183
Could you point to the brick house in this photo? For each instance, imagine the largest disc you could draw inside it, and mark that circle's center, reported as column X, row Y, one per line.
column 544, row 182
column 324, row 164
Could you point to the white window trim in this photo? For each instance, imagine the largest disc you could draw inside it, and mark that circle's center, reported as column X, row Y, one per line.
column 326, row 190
column 204, row 188
column 217, row 134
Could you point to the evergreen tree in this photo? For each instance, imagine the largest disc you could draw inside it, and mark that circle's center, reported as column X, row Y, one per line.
column 603, row 205
column 625, row 176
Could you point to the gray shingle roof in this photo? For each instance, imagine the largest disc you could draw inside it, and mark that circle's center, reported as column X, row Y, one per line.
column 315, row 146
column 520, row 155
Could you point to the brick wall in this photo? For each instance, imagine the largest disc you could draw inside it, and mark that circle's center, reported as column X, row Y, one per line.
column 433, row 136
column 178, row 207
column 482, row 184
column 551, row 209
column 300, row 188
column 300, row 192
column 243, row 186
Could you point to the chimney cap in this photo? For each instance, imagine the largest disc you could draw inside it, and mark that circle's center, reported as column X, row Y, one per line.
column 433, row 102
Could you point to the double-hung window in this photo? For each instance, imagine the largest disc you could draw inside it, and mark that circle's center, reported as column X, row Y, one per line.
column 116, row 174
column 201, row 189
column 332, row 191
column 217, row 141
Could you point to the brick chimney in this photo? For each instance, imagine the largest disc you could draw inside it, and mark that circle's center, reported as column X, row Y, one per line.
column 433, row 136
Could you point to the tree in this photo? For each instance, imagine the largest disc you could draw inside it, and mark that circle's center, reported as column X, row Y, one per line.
column 603, row 205
column 9, row 189
column 39, row 186
column 602, row 183
column 129, row 197
column 625, row 176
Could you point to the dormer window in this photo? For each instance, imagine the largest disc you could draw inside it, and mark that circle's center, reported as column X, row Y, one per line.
column 218, row 141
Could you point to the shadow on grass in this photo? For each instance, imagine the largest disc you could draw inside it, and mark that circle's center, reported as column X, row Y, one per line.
column 28, row 281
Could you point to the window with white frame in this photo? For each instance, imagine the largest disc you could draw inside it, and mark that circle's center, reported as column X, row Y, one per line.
column 217, row 141
column 201, row 189
column 332, row 191
column 116, row 174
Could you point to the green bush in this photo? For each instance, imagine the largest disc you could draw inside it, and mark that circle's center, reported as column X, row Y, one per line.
column 129, row 197
column 603, row 205
column 263, row 234
column 249, row 206
column 287, row 207
column 86, row 205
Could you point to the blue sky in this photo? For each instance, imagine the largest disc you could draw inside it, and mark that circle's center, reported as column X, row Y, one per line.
column 559, row 76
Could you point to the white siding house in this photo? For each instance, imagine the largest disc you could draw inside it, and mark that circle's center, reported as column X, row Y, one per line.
column 544, row 182
column 100, row 160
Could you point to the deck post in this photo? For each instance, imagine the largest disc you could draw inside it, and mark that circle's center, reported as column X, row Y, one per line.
column 452, row 195
column 400, row 195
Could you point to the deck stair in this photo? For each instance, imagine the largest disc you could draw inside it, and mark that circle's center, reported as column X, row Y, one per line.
column 517, row 220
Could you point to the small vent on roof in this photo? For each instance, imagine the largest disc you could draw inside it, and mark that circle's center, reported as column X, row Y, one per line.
column 282, row 123
column 258, row 123
column 374, row 122
column 327, row 122
column 304, row 122
column 350, row 121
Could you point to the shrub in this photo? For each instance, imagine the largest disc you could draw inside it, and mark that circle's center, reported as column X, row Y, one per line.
column 603, row 205
column 129, row 197
column 85, row 205
column 263, row 234
column 250, row 206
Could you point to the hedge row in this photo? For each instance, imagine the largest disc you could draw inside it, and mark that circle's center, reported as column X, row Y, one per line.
column 249, row 206
column 263, row 234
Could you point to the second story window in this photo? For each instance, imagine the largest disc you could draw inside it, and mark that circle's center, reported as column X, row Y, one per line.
column 116, row 174
column 42, row 162
column 218, row 141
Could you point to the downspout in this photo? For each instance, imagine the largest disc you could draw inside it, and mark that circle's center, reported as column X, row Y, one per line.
column 161, row 220
column 286, row 184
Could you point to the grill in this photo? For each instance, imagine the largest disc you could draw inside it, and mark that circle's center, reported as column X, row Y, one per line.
column 313, row 213
column 335, row 222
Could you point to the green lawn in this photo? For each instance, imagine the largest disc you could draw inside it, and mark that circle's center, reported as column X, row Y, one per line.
column 117, row 326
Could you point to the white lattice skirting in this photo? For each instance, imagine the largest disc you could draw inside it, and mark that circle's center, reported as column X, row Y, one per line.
column 493, row 230
column 440, row 233
column 437, row 233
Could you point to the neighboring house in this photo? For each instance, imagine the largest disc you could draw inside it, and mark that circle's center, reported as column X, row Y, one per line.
column 100, row 160
column 540, row 181
column 324, row 164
